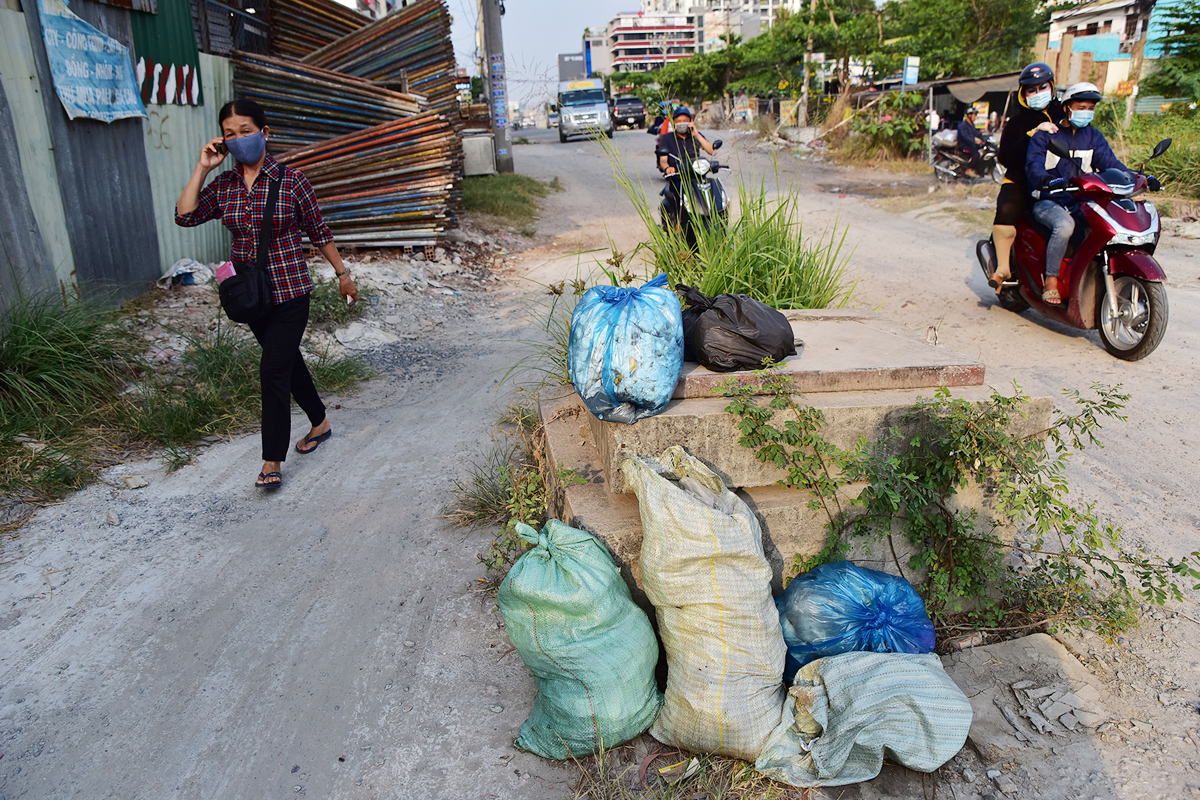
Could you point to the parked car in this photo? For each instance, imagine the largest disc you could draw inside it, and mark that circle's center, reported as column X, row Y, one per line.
column 552, row 120
column 630, row 112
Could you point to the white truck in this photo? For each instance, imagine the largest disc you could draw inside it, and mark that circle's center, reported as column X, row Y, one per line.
column 583, row 109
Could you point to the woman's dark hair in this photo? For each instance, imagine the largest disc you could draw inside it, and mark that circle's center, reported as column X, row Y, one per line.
column 243, row 108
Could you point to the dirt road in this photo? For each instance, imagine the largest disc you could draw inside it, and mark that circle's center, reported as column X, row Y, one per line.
column 327, row 641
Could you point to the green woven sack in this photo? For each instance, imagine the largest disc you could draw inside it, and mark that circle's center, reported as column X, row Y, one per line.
column 569, row 614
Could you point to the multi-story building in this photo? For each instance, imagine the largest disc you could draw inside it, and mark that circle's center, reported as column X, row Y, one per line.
column 665, row 31
column 641, row 41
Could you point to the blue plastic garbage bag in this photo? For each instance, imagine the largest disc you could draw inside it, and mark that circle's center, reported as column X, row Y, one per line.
column 626, row 350
column 840, row 608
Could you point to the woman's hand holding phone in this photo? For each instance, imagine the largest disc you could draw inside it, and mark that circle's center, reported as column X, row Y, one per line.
column 213, row 153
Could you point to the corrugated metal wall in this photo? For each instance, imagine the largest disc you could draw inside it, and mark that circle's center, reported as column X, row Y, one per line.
column 27, row 115
column 103, row 177
column 24, row 265
column 174, row 136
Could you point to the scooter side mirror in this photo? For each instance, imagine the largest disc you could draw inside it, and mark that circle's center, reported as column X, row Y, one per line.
column 1059, row 149
column 1161, row 148
column 717, row 144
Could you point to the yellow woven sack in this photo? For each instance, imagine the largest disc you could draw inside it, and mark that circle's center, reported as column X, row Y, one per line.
column 705, row 572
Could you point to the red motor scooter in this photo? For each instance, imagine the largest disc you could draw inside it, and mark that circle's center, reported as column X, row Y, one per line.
column 1111, row 281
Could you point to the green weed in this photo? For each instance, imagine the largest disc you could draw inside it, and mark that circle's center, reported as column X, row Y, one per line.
column 1079, row 575
column 327, row 307
column 510, row 196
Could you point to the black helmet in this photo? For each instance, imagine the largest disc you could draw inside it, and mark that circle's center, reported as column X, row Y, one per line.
column 1036, row 74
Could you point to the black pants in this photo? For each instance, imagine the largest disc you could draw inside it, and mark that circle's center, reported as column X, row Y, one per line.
column 284, row 375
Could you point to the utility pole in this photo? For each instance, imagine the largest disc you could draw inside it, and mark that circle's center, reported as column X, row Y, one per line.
column 494, row 81
column 802, row 112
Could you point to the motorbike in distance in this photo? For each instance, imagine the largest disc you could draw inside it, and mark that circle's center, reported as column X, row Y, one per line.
column 693, row 195
column 1111, row 281
column 950, row 164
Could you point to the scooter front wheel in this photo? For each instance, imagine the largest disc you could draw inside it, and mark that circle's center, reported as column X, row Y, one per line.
column 1132, row 324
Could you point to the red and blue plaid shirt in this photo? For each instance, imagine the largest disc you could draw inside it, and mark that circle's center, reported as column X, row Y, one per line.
column 242, row 212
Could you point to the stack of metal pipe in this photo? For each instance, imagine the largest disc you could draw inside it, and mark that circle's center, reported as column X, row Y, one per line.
column 306, row 104
column 298, row 27
column 412, row 44
column 387, row 185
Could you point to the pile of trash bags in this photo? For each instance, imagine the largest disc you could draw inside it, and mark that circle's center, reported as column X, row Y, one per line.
column 627, row 345
column 862, row 683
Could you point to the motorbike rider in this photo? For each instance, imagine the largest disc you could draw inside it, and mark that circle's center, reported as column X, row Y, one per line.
column 969, row 138
column 683, row 142
column 1090, row 152
column 656, row 127
column 681, row 145
column 1037, row 110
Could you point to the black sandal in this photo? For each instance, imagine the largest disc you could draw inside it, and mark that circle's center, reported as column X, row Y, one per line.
column 315, row 441
column 261, row 477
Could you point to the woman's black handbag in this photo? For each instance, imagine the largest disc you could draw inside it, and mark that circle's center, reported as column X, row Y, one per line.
column 246, row 295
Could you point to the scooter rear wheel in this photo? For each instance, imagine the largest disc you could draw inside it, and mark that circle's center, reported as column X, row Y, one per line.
column 943, row 169
column 1140, row 321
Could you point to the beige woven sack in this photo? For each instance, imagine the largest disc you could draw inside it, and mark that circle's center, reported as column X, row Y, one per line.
column 705, row 572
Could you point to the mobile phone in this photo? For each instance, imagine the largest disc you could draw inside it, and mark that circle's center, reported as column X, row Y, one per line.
column 222, row 148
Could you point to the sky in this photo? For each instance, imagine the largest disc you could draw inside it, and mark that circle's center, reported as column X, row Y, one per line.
column 535, row 32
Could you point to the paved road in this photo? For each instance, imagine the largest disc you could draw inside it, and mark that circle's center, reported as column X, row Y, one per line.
column 326, row 642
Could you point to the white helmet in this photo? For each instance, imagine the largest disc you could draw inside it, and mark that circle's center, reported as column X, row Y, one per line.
column 1081, row 91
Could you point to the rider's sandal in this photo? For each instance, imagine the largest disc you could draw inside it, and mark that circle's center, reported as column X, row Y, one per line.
column 1051, row 297
column 997, row 280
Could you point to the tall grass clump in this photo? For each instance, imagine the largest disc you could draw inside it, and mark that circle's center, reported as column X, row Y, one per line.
column 762, row 252
column 217, row 390
column 59, row 362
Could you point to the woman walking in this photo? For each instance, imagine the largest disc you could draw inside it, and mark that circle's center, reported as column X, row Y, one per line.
column 238, row 197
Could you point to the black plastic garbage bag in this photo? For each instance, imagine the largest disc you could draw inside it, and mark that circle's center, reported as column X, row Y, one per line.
column 733, row 331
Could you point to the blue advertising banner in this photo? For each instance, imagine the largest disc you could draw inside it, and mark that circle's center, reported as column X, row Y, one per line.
column 93, row 73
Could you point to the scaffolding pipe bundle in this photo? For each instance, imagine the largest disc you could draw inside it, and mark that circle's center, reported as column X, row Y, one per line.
column 391, row 184
column 411, row 44
column 307, row 104
column 298, row 27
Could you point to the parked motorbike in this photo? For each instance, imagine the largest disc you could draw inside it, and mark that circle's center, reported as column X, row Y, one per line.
column 950, row 164
column 693, row 195
column 1111, row 281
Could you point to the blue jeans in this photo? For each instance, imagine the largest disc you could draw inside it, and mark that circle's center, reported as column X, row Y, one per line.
column 1062, row 226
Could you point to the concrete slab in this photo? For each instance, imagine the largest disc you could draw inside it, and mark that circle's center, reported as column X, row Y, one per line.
column 1007, row 683
column 843, row 351
column 790, row 527
column 709, row 433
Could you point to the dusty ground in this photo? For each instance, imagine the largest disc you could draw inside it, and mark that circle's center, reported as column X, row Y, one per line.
column 329, row 641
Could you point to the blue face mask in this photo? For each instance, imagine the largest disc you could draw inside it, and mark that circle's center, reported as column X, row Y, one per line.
column 248, row 149
column 1039, row 100
column 1081, row 119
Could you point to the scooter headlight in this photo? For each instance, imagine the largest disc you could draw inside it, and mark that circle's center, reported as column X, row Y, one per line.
column 701, row 166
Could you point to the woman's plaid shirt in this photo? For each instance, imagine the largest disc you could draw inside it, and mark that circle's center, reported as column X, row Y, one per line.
column 241, row 211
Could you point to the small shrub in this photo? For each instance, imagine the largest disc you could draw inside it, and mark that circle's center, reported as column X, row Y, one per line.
column 896, row 126
column 328, row 308
column 1080, row 575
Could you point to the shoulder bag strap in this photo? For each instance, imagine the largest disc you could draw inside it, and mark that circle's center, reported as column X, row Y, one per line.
column 265, row 231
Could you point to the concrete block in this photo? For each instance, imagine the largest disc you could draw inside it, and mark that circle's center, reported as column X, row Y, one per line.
column 848, row 351
column 708, row 432
column 790, row 527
